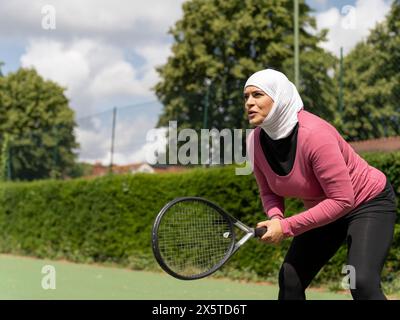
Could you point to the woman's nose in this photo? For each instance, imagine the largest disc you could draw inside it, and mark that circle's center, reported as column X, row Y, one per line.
column 250, row 102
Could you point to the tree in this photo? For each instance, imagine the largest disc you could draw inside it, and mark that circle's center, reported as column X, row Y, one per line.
column 372, row 82
column 35, row 115
column 218, row 44
column 5, row 159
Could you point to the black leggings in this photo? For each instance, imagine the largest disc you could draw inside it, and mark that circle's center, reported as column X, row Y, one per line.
column 368, row 231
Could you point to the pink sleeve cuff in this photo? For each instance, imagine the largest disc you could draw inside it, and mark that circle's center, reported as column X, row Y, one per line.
column 275, row 213
column 286, row 228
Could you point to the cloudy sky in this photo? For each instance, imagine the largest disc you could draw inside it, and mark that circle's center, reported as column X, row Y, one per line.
column 105, row 53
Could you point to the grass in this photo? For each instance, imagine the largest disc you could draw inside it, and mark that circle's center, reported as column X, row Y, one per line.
column 21, row 278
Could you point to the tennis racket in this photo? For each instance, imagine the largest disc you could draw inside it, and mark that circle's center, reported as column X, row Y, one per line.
column 193, row 237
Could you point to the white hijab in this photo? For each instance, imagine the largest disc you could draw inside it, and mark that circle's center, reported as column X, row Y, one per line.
column 287, row 102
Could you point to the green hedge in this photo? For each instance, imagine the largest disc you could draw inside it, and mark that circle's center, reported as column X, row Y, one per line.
column 109, row 219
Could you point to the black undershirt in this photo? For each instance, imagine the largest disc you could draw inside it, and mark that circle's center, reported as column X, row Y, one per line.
column 280, row 153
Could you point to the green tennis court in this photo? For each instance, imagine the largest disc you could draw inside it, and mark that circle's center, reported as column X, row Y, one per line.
column 21, row 278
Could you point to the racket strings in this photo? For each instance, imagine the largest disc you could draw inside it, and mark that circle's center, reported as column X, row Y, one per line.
column 193, row 238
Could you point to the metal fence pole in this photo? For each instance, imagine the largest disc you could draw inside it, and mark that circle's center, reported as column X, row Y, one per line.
column 112, row 139
column 341, row 83
column 296, row 43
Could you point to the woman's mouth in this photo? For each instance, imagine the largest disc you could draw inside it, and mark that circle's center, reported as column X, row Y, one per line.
column 251, row 114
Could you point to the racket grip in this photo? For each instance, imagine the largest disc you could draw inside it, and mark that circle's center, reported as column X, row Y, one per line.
column 259, row 232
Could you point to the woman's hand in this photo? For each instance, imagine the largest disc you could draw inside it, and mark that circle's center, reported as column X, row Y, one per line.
column 274, row 234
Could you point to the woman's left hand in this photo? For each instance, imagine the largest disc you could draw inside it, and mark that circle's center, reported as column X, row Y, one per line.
column 274, row 234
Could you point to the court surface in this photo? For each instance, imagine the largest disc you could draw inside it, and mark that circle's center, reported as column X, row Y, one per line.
column 22, row 277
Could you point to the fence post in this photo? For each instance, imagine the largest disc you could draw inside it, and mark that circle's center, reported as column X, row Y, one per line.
column 296, row 44
column 112, row 139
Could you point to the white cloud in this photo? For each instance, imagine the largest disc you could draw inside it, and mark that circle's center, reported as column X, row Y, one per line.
column 349, row 25
column 131, row 145
column 328, row 19
column 105, row 53
column 67, row 65
column 119, row 20
column 93, row 71
column 92, row 145
column 117, row 78
column 89, row 51
column 70, row 65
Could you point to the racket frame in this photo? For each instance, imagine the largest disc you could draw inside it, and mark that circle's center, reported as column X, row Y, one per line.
column 234, row 246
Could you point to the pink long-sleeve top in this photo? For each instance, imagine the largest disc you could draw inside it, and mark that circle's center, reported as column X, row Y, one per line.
column 327, row 175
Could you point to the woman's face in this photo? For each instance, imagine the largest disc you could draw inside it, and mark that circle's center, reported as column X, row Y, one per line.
column 257, row 104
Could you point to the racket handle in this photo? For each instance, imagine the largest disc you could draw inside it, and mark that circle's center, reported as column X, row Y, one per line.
column 259, row 232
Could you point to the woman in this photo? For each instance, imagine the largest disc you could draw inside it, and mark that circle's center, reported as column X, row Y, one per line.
column 297, row 154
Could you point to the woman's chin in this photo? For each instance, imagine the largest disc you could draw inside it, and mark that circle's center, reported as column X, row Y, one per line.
column 254, row 122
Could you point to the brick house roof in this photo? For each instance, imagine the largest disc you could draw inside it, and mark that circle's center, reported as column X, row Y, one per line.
column 383, row 144
column 101, row 170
